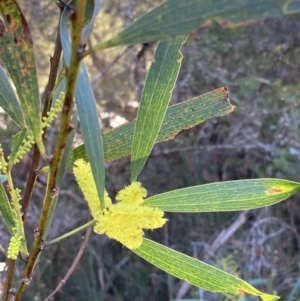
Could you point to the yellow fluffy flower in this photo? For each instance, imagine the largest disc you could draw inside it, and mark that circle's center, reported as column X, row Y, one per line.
column 132, row 194
column 83, row 174
column 125, row 220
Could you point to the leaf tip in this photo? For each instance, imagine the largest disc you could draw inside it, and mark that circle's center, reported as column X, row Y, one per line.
column 266, row 297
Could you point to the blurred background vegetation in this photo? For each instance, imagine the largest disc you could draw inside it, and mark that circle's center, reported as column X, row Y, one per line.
column 261, row 139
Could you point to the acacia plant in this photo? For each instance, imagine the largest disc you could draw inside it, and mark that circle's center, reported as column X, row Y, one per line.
column 68, row 87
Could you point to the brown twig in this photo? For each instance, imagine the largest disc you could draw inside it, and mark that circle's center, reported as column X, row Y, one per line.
column 47, row 100
column 74, row 264
column 9, row 279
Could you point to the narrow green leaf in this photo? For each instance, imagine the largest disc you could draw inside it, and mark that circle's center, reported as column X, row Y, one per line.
column 196, row 272
column 92, row 10
column 16, row 51
column 64, row 36
column 17, row 141
column 91, row 131
column 6, row 210
column 9, row 102
column 225, row 196
column 87, row 112
column 155, row 98
column 185, row 115
column 89, row 10
column 177, row 17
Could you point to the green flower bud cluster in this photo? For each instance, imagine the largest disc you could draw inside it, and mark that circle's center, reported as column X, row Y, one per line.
column 3, row 164
column 29, row 141
column 14, row 246
column 3, row 167
column 23, row 149
column 54, row 111
column 18, row 194
column 16, row 205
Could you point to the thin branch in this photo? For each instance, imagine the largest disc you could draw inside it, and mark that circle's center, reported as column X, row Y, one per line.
column 77, row 22
column 47, row 100
column 9, row 279
column 74, row 264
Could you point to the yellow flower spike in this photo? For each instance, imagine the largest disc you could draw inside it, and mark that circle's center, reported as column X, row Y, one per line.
column 132, row 194
column 124, row 222
column 83, row 174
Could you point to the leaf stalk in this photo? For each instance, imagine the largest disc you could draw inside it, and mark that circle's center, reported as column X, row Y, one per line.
column 71, row 233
